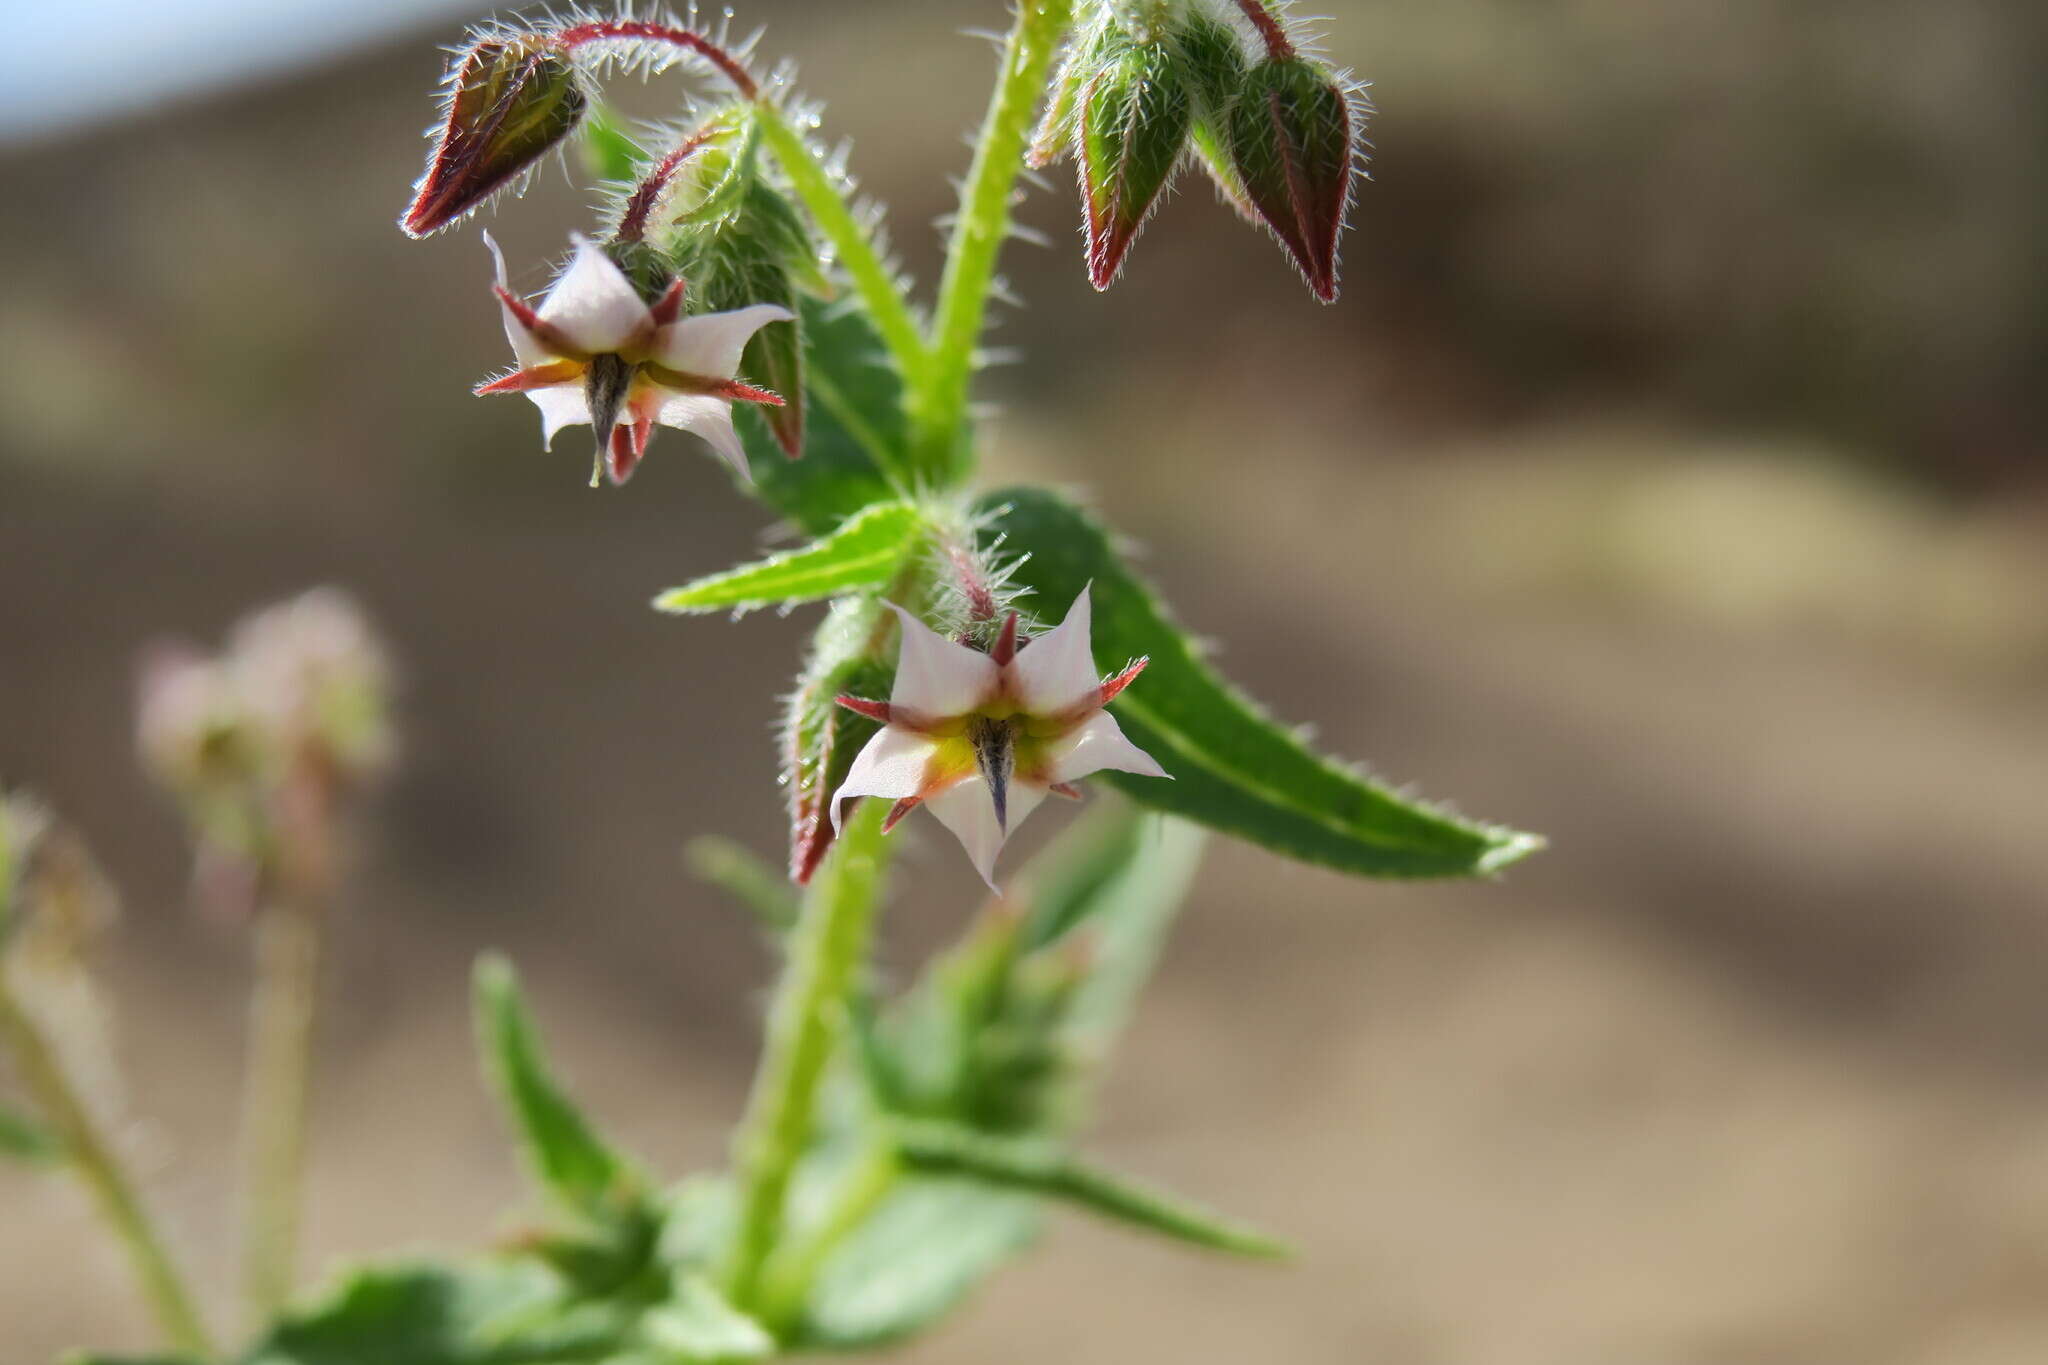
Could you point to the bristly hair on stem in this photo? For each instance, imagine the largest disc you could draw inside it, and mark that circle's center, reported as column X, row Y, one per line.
column 652, row 42
column 1267, row 25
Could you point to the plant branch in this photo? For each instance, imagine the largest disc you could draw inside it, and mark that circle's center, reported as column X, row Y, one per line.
column 93, row 1157
column 940, row 410
column 826, row 951
column 790, row 1273
column 637, row 30
column 281, row 1021
column 850, row 239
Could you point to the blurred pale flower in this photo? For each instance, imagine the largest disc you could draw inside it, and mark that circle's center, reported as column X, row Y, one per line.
column 982, row 738
column 595, row 352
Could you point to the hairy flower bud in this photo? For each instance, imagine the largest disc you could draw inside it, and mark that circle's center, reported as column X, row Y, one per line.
column 820, row 738
column 510, row 100
column 1290, row 134
column 1134, row 118
column 1212, row 55
column 755, row 252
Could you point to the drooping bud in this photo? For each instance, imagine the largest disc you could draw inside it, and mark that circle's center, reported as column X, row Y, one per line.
column 1134, row 118
column 510, row 100
column 755, row 249
column 1212, row 56
column 1291, row 140
column 821, row 738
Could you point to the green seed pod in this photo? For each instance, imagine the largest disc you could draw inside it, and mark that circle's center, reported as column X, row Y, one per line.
column 1291, row 144
column 510, row 100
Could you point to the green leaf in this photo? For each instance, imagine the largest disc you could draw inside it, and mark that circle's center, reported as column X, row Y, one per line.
column 24, row 1139
column 865, row 551
column 928, row 1244
column 567, row 1157
column 1235, row 769
column 95, row 1358
column 498, row 1312
column 700, row 1324
column 854, row 428
column 734, row 869
column 1040, row 1168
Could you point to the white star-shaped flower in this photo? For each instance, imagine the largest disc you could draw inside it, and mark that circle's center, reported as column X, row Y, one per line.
column 982, row 738
column 595, row 352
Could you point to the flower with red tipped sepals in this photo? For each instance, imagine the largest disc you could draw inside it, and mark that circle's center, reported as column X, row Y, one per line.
column 510, row 100
column 1291, row 135
column 594, row 351
column 981, row 738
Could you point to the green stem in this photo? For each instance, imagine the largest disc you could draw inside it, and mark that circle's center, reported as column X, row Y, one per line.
column 850, row 238
column 93, row 1157
column 826, row 951
column 281, row 1021
column 939, row 410
column 790, row 1272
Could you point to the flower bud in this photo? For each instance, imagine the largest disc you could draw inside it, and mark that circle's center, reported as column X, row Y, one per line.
column 1213, row 57
column 756, row 252
column 510, row 100
column 1134, row 119
column 53, row 897
column 820, row 738
column 1290, row 135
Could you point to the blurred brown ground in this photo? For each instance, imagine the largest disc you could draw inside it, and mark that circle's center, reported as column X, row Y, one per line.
column 1670, row 479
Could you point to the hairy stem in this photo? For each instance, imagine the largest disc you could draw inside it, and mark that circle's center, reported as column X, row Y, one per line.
column 790, row 1273
column 94, row 1159
column 850, row 238
column 826, row 951
column 281, row 1021
column 1278, row 46
column 940, row 405
column 604, row 30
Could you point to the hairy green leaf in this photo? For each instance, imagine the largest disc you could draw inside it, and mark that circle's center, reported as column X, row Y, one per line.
column 571, row 1162
column 865, row 551
column 931, row 1242
column 854, row 429
column 499, row 1312
column 1040, row 1168
column 24, row 1139
column 1235, row 769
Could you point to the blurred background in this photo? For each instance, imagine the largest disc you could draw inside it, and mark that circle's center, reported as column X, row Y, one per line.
column 1672, row 478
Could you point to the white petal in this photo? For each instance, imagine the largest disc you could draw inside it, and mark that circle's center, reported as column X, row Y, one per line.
column 1056, row 671
column 561, row 405
column 593, row 303
column 935, row 676
column 1099, row 743
column 710, row 345
column 528, row 351
column 965, row 808
column 892, row 764
column 708, row 417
